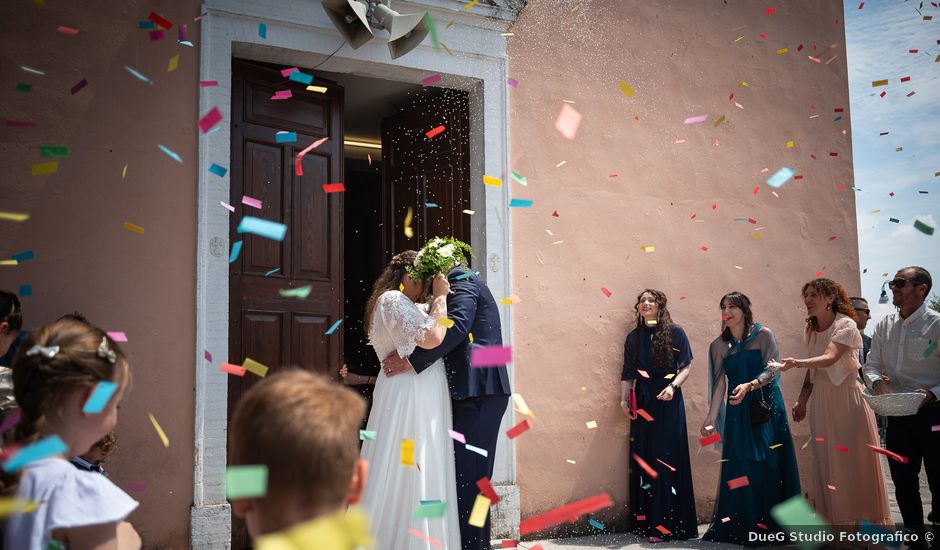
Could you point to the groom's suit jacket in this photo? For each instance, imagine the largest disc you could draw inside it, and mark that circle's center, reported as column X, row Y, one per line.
column 471, row 307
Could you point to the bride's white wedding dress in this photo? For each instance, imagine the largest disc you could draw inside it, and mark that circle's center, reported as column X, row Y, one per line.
column 408, row 406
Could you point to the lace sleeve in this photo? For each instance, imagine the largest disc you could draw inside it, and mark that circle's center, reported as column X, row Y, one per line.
column 769, row 352
column 406, row 324
column 846, row 332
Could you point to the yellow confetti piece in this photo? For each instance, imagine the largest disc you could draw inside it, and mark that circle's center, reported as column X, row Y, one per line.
column 738, row 267
column 444, row 321
column 133, row 227
column 467, row 6
column 776, row 445
column 670, row 376
column 409, row 232
column 8, row 262
column 408, row 452
column 521, row 406
column 481, row 507
column 591, row 424
column 255, row 367
column 470, row 212
column 446, row 49
column 163, row 437
column 738, row 39
column 46, row 168
column 626, row 89
column 174, row 63
column 318, row 89
column 782, row 51
column 569, row 461
column 756, row 235
column 401, row 287
column 719, row 121
column 124, row 172
column 470, row 335
column 648, row 248
column 560, row 164
column 14, row 216
column 744, row 84
column 790, row 144
column 490, row 180
column 15, row 505
column 877, row 83
column 878, row 211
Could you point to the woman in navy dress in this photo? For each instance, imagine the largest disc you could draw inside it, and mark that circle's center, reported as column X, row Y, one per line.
column 656, row 362
column 763, row 453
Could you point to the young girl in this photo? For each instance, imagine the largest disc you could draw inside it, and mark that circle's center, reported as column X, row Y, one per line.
column 54, row 373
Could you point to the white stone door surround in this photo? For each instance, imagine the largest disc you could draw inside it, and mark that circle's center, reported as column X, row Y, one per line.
column 299, row 33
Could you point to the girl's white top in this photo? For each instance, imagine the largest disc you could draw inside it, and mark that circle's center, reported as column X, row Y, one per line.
column 66, row 497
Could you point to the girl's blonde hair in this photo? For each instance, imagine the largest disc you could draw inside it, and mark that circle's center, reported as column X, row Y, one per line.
column 56, row 360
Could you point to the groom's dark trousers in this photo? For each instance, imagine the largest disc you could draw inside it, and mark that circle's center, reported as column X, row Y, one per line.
column 478, row 395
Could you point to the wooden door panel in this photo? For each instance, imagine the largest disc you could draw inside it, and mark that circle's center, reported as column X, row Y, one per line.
column 310, row 261
column 262, row 181
column 262, row 337
column 304, row 112
column 310, row 346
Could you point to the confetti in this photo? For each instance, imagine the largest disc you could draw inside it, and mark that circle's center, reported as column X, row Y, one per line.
column 254, row 367
column 696, row 119
column 663, row 530
column 648, row 248
column 782, row 51
column 435, row 131
column 160, row 432
column 227, row 206
column 170, row 153
column 45, row 168
column 626, row 89
column 250, row 201
column 430, row 509
column 301, row 77
column 519, row 429
column 160, row 21
column 432, row 541
column 519, row 401
column 67, row 30
column 208, row 83
column 518, row 178
column 781, row 177
column 568, row 121
column 738, row 482
column 298, row 162
column 596, row 524
column 334, row 188
column 299, row 292
column 477, row 450
column 285, row 137
column 264, row 228
column 646, row 416
column 591, row 425
column 366, row 435
column 606, row 292
column 931, row 349
column 566, row 513
column 156, row 35
column 248, row 481
column 445, row 322
column 78, row 86
column 333, row 327
column 409, row 215
column 134, row 228
column 666, row 465
column 43, row 448
column 209, row 120
column 433, row 79
column 878, row 83
column 99, row 397
column 709, row 440
column 138, row 75
column 487, row 489
column 481, row 507
column 646, row 467
column 25, row 291
column 262, row 30
column 218, row 170
column 926, row 230
column 520, row 203
column 889, row 454
column 490, row 356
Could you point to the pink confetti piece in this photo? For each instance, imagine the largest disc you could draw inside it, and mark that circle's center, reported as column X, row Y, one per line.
column 182, row 33
column 118, row 336
column 136, row 487
column 905, row 79
column 935, row 428
column 252, row 202
column 606, row 292
column 236, row 370
column 643, row 373
column 67, row 30
column 842, row 448
column 770, row 11
column 156, row 35
column 457, row 436
column 512, row 82
column 207, row 83
column 738, row 482
column 77, row 87
column 209, row 120
column 227, row 206
column 696, row 119
column 207, row 355
column 433, row 79
column 286, row 72
column 299, row 161
column 568, row 121
column 889, row 454
column 433, row 542
column 490, row 356
column 282, row 94
column 862, row 5
column 703, row 248
column 666, row 465
column 11, row 420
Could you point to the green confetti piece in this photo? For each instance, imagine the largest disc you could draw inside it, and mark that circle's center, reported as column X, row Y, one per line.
column 300, row 292
column 23, row 87
column 895, row 220
column 519, row 178
column 931, row 349
column 430, row 509
column 246, row 481
column 923, row 227
column 367, row 435
column 796, row 516
column 53, row 150
column 432, row 30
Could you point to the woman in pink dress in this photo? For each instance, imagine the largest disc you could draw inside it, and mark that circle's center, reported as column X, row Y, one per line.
column 848, row 484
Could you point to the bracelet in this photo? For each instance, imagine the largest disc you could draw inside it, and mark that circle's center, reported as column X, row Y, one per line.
column 673, row 386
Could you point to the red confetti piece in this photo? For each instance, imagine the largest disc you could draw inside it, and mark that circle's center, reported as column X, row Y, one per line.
column 612, row 176
column 798, row 177
column 508, row 544
column 536, row 547
column 731, row 97
column 709, row 439
column 839, row 110
column 756, row 189
column 770, row 11
column 752, row 220
column 568, row 512
column 862, row 5
column 889, row 454
column 434, row 131
column 67, row 30
column 209, row 120
column 812, row 156
column 762, row 35
column 832, row 238
column 555, row 213
column 646, row 467
column 161, row 22
column 842, row 448
column 714, row 205
column 911, row 51
column 487, row 489
column 799, row 48
column 663, row 530
column 761, row 525
column 905, row 79
column 738, row 482
column 891, row 194
column 206, row 83
column 666, row 465
column 299, row 161
column 818, row 275
column 606, row 292
column 641, row 518
column 519, row 429
column 693, row 216
column 704, row 248
column 882, row 94
column 831, row 154
column 646, row 416
column 682, row 298
column 334, row 188
column 81, row 84
column 229, row 368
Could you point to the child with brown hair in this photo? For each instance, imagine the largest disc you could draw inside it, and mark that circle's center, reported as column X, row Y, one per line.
column 55, row 372
column 305, row 430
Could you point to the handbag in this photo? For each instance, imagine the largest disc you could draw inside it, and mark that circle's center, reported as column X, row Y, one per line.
column 759, row 409
column 633, row 413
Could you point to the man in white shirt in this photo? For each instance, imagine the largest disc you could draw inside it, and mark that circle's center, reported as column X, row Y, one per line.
column 905, row 346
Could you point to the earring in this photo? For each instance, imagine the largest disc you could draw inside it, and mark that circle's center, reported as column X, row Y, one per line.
column 828, row 307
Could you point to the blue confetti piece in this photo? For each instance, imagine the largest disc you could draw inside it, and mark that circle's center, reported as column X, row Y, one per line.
column 146, row 25
column 430, row 205
column 596, row 524
column 838, row 118
column 302, row 77
column 272, row 272
column 43, row 448
column 23, row 256
column 647, row 486
column 334, row 327
column 236, row 250
column 26, row 290
column 139, row 76
column 271, row 230
column 212, row 131
column 99, row 397
column 187, row 43
column 170, row 153
column 673, row 490
column 520, row 203
column 285, row 137
column 262, row 30
column 782, row 176
column 218, row 170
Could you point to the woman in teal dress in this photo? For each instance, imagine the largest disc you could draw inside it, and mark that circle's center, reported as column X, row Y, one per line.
column 761, row 452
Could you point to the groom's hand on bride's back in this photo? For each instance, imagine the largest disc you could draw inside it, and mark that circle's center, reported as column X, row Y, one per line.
column 393, row 364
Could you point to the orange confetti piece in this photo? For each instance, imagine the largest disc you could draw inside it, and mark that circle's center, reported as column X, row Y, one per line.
column 663, row 530
column 738, row 482
column 646, row 467
column 435, row 131
column 666, row 465
column 646, row 416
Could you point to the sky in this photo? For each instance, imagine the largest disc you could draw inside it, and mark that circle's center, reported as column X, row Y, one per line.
column 878, row 40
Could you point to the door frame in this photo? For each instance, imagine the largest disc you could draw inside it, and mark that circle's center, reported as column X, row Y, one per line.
column 299, row 33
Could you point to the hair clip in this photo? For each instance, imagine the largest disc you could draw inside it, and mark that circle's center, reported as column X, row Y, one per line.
column 47, row 352
column 106, row 352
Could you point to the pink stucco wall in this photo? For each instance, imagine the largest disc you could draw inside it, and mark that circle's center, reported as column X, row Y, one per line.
column 143, row 285
column 683, row 60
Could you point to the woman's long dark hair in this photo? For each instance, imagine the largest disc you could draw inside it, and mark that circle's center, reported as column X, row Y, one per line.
column 662, row 340
column 743, row 303
column 390, row 279
column 841, row 302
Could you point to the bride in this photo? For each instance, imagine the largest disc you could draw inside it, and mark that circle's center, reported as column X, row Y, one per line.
column 409, row 407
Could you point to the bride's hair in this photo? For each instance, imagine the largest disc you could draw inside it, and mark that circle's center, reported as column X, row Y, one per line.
column 390, row 279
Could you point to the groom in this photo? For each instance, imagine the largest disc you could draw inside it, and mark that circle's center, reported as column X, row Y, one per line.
column 479, row 395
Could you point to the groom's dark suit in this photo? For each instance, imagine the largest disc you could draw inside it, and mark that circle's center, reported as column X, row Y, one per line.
column 479, row 395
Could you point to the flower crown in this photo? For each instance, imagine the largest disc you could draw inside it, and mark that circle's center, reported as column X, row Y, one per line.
column 438, row 256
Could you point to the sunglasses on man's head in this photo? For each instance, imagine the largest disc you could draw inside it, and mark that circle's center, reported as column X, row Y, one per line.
column 899, row 283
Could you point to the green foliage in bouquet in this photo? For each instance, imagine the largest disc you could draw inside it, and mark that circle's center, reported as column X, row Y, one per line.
column 439, row 255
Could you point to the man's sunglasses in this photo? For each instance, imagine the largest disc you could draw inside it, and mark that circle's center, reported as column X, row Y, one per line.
column 899, row 283
column 865, row 311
